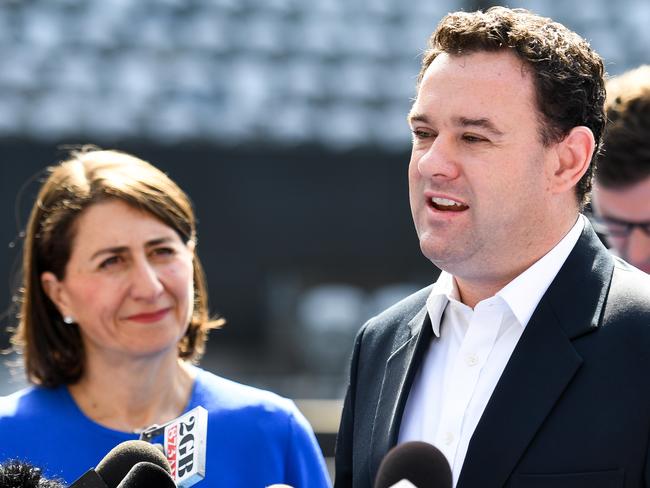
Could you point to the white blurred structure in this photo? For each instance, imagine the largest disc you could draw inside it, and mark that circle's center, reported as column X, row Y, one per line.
column 335, row 72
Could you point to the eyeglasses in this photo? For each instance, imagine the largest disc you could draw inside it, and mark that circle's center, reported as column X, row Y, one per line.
column 618, row 228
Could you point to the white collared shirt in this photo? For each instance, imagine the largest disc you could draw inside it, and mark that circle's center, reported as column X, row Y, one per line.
column 462, row 367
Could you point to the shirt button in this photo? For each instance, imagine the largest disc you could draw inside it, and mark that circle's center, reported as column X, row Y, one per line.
column 471, row 360
column 448, row 438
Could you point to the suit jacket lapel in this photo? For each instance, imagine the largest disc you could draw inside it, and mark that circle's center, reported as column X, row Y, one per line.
column 541, row 366
column 396, row 384
column 526, row 392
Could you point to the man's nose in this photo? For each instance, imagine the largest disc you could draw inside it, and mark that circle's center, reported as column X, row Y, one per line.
column 440, row 159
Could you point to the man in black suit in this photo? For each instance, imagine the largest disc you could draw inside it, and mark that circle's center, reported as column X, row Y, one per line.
column 527, row 361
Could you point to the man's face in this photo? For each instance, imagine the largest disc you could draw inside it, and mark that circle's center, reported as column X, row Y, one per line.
column 631, row 205
column 478, row 191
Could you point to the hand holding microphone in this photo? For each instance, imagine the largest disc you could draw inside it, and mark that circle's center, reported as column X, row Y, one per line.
column 414, row 465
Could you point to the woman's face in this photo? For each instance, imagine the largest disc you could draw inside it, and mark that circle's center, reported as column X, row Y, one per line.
column 128, row 283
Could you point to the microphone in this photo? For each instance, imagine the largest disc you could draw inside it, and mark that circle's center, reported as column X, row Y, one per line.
column 145, row 474
column 185, row 440
column 414, row 465
column 115, row 466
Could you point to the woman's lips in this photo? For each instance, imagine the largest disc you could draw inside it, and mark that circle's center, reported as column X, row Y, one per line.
column 148, row 317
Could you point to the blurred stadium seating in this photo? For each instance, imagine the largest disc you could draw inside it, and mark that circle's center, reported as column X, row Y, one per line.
column 335, row 72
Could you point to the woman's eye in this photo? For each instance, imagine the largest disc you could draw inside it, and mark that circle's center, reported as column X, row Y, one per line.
column 108, row 262
column 164, row 251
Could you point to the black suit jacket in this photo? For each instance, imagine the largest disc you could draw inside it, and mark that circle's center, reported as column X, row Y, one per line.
column 571, row 409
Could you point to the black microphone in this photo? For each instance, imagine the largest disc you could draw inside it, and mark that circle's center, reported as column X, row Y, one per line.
column 418, row 463
column 146, row 475
column 115, row 466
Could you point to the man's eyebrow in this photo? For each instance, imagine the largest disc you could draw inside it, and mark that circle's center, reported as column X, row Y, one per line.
column 483, row 123
column 416, row 117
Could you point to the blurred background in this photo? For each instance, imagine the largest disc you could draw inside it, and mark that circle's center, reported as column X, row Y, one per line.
column 284, row 120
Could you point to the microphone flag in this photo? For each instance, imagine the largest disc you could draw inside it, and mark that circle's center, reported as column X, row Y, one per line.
column 185, row 441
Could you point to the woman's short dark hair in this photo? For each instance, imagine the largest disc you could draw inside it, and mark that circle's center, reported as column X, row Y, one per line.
column 567, row 74
column 53, row 352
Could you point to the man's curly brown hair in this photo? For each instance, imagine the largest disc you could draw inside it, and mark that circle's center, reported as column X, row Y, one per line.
column 567, row 74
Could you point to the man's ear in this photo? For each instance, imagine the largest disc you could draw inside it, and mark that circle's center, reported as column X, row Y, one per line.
column 55, row 290
column 573, row 156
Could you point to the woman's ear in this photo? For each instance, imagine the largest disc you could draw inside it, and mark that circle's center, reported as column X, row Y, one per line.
column 191, row 247
column 55, row 290
column 574, row 154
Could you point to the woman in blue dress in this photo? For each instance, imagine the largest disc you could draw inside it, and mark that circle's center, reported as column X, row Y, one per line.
column 112, row 323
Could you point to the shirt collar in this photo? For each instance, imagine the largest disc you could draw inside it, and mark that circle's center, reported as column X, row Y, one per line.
column 444, row 289
column 522, row 294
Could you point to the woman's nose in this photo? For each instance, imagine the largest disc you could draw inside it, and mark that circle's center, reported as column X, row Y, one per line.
column 145, row 284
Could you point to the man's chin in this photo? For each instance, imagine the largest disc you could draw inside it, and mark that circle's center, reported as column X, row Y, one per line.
column 442, row 257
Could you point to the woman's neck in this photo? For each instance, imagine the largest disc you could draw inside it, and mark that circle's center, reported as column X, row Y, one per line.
column 129, row 395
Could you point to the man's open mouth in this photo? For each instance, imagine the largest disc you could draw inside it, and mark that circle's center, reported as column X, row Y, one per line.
column 447, row 205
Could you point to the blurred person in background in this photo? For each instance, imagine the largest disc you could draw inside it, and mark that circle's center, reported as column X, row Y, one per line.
column 526, row 363
column 113, row 317
column 621, row 196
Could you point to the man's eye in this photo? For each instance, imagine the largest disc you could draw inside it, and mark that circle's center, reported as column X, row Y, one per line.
column 421, row 134
column 473, row 138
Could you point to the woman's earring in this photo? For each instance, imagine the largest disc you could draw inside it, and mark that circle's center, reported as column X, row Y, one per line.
column 68, row 319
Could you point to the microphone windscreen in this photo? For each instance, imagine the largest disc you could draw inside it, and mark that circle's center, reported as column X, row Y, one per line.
column 119, row 461
column 418, row 462
column 19, row 474
column 146, row 475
